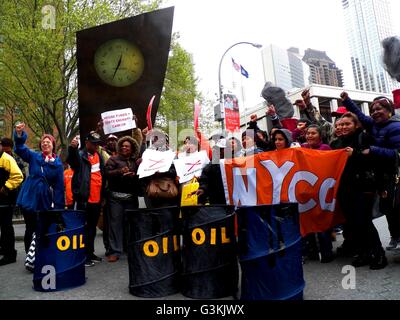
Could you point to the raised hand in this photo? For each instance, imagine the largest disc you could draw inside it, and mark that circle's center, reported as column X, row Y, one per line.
column 344, row 95
column 75, row 142
column 19, row 128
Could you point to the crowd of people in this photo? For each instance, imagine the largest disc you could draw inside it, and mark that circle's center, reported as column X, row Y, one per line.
column 100, row 178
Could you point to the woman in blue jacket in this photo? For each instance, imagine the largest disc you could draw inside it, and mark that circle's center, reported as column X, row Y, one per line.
column 384, row 126
column 43, row 190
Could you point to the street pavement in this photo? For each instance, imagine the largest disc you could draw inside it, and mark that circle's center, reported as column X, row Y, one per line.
column 110, row 281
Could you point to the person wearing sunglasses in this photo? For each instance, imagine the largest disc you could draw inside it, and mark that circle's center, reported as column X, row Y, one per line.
column 384, row 127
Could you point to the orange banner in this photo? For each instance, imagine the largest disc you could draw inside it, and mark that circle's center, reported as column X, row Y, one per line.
column 304, row 176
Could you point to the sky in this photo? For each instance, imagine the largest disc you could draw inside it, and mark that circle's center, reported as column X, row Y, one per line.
column 208, row 27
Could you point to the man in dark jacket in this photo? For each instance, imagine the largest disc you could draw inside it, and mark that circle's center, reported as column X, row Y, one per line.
column 88, row 185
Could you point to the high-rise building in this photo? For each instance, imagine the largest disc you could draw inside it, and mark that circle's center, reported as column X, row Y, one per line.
column 367, row 23
column 322, row 69
column 284, row 68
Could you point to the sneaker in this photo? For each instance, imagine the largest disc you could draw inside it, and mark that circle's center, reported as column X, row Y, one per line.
column 95, row 258
column 112, row 258
column 89, row 263
column 361, row 260
column 393, row 244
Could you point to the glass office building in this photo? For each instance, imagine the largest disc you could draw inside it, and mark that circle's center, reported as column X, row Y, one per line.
column 367, row 23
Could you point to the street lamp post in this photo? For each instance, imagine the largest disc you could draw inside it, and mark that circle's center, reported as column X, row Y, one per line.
column 221, row 102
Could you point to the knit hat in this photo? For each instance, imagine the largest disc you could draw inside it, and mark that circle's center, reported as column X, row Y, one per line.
column 51, row 138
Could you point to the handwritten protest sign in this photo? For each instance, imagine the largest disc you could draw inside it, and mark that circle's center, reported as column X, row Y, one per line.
column 118, row 120
column 191, row 166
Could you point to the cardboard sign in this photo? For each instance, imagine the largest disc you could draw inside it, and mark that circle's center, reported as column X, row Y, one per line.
column 191, row 166
column 118, row 120
column 155, row 161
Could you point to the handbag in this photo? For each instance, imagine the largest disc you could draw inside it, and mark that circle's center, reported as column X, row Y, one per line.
column 162, row 188
column 189, row 196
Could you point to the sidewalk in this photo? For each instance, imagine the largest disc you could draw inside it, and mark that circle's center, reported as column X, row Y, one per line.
column 110, row 280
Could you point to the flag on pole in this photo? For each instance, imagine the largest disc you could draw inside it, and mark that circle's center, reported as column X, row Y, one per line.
column 239, row 68
column 244, row 72
column 197, row 109
column 235, row 65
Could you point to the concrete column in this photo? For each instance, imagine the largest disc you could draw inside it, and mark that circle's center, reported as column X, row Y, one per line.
column 365, row 108
column 333, row 104
column 315, row 102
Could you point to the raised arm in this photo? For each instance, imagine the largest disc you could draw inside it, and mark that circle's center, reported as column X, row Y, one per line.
column 366, row 121
column 20, row 138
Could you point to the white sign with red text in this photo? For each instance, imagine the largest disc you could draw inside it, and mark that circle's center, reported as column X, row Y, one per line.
column 155, row 161
column 118, row 120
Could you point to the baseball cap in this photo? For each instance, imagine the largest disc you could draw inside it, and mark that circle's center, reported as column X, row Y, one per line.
column 111, row 136
column 93, row 137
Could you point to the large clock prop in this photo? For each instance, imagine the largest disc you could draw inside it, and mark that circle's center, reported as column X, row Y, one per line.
column 121, row 65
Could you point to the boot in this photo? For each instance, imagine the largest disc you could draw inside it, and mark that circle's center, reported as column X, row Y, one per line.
column 7, row 260
column 361, row 260
column 378, row 262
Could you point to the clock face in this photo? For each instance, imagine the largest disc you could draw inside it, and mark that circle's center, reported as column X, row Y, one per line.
column 119, row 62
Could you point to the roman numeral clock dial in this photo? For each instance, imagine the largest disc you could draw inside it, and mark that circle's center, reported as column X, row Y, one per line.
column 119, row 62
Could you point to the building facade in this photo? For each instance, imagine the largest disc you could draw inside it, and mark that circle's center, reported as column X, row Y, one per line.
column 367, row 23
column 325, row 98
column 284, row 68
column 323, row 69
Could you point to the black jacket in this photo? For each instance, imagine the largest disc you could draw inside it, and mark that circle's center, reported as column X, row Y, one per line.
column 79, row 162
column 211, row 182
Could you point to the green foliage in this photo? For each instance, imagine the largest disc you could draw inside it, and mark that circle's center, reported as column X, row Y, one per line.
column 38, row 72
column 177, row 101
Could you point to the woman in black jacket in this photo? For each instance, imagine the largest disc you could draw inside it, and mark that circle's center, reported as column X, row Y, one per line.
column 358, row 188
column 123, row 189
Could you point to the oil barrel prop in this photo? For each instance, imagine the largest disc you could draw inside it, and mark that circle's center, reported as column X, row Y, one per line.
column 60, row 250
column 153, row 252
column 270, row 252
column 209, row 252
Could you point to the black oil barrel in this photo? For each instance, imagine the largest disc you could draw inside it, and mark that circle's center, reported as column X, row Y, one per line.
column 153, row 252
column 209, row 253
column 270, row 252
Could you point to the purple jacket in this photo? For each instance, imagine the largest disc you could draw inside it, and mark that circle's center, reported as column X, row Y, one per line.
column 320, row 146
column 386, row 135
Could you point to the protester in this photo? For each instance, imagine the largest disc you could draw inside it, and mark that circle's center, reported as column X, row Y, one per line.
column 282, row 139
column 68, row 174
column 314, row 141
column 111, row 145
column 10, row 179
column 8, row 145
column 384, row 127
column 249, row 144
column 337, row 133
column 233, row 148
column 88, row 184
column 45, row 172
column 211, row 188
column 356, row 195
column 310, row 112
column 299, row 134
column 123, row 189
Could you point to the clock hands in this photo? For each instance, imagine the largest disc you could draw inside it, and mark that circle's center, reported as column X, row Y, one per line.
column 119, row 63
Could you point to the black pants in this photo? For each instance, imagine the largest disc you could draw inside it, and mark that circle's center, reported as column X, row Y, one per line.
column 7, row 231
column 30, row 224
column 357, row 207
column 92, row 213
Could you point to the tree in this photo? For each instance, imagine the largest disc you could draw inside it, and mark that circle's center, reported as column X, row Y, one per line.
column 38, row 72
column 179, row 93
